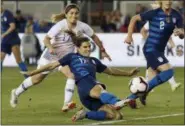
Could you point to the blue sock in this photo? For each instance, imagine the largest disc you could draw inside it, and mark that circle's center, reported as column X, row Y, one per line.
column 132, row 96
column 1, row 66
column 96, row 115
column 108, row 98
column 160, row 78
column 23, row 67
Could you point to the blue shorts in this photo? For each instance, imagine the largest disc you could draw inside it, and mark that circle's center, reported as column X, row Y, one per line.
column 84, row 87
column 8, row 43
column 155, row 59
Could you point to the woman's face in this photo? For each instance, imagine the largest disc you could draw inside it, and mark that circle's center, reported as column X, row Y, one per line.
column 166, row 4
column 85, row 49
column 72, row 15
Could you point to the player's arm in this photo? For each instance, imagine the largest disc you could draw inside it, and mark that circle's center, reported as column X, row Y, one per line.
column 118, row 72
column 100, row 45
column 131, row 27
column 171, row 42
column 10, row 29
column 11, row 22
column 52, row 34
column 146, row 16
column 90, row 32
column 47, row 67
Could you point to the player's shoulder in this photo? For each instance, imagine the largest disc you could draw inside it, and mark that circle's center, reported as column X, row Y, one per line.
column 7, row 12
column 94, row 59
column 62, row 22
column 176, row 13
column 83, row 24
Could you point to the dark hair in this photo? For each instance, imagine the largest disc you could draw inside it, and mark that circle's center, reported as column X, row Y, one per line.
column 77, row 41
column 58, row 17
column 71, row 6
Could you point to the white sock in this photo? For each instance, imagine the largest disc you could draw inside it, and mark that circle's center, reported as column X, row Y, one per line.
column 69, row 90
column 146, row 76
column 24, row 86
column 172, row 81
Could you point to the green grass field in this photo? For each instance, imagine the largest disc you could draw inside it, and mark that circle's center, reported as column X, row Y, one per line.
column 41, row 104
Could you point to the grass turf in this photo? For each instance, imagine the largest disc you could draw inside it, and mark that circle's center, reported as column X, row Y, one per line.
column 41, row 104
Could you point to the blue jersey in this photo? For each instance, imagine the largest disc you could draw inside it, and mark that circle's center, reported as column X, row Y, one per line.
column 82, row 66
column 7, row 18
column 161, row 27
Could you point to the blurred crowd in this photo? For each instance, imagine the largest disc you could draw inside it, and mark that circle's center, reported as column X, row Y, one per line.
column 23, row 22
column 113, row 21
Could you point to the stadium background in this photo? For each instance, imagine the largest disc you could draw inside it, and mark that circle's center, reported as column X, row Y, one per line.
column 109, row 19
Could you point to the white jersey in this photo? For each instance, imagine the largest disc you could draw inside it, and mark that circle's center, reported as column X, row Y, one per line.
column 62, row 41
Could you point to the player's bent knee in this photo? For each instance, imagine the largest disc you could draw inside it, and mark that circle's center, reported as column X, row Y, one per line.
column 96, row 91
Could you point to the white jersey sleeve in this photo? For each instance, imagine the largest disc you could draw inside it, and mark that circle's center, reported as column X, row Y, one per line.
column 146, row 26
column 56, row 29
column 88, row 30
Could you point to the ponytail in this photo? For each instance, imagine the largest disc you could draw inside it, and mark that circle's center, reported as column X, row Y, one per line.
column 57, row 17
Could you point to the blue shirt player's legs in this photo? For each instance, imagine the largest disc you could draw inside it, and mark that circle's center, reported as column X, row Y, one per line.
column 17, row 54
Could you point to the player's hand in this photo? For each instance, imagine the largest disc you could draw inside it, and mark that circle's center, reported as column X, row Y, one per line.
column 26, row 73
column 129, row 39
column 52, row 51
column 178, row 32
column 134, row 71
column 105, row 55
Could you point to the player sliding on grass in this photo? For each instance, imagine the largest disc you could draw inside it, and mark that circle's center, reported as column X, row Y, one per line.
column 144, row 31
column 59, row 44
column 102, row 105
column 163, row 21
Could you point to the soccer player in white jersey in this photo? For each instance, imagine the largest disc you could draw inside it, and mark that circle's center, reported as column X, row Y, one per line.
column 58, row 44
column 144, row 31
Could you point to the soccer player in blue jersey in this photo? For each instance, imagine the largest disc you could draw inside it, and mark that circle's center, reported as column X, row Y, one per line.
column 144, row 31
column 10, row 41
column 102, row 105
column 162, row 23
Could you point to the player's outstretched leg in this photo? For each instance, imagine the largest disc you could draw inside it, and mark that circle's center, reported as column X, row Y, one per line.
column 69, row 91
column 27, row 83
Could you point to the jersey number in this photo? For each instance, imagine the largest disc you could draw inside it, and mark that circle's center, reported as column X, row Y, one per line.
column 162, row 25
column 82, row 60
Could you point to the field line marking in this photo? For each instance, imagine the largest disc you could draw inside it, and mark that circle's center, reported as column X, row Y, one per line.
column 141, row 118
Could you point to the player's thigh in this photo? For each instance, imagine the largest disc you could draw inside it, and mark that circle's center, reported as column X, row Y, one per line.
column 155, row 59
column 151, row 73
column 164, row 67
column 111, row 113
column 96, row 91
column 3, row 56
column 17, row 53
column 66, row 71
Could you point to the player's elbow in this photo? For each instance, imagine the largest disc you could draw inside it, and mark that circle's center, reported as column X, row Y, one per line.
column 136, row 18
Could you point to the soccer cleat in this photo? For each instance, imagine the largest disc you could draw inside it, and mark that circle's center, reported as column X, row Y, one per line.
column 120, row 104
column 132, row 103
column 175, row 87
column 68, row 106
column 79, row 115
column 13, row 99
